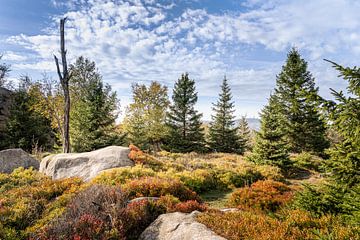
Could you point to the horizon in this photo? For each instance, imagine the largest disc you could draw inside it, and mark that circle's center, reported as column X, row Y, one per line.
column 144, row 41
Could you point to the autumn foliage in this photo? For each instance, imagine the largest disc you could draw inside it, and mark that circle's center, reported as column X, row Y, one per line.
column 265, row 195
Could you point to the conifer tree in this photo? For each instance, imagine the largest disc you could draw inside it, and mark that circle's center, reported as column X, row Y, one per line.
column 94, row 109
column 271, row 146
column 244, row 134
column 345, row 116
column 295, row 87
column 223, row 134
column 184, row 122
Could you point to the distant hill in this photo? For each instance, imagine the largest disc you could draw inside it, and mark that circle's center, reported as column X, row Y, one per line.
column 254, row 123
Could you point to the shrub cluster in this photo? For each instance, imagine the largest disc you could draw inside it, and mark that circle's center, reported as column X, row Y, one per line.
column 156, row 187
column 265, row 195
column 290, row 225
column 29, row 200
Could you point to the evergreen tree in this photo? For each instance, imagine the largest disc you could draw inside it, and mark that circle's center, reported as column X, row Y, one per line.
column 94, row 109
column 185, row 127
column 244, row 134
column 345, row 116
column 145, row 117
column 223, row 133
column 342, row 193
column 271, row 146
column 295, row 87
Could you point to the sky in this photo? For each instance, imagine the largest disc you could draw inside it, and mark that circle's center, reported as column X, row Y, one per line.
column 149, row 40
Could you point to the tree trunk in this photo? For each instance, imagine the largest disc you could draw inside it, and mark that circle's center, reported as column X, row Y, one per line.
column 64, row 80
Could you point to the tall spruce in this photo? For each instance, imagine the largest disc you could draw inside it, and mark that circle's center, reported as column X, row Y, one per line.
column 245, row 134
column 223, row 134
column 295, row 87
column 186, row 133
column 271, row 145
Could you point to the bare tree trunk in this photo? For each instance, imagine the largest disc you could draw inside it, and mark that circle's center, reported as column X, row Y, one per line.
column 64, row 80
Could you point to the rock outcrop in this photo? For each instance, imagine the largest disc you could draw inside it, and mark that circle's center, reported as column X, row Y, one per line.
column 14, row 158
column 178, row 226
column 85, row 165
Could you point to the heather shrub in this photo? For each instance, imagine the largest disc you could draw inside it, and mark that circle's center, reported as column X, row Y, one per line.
column 102, row 212
column 139, row 157
column 20, row 177
column 290, row 225
column 189, row 206
column 198, row 180
column 138, row 215
column 156, row 187
column 265, row 195
column 121, row 175
column 92, row 212
column 32, row 201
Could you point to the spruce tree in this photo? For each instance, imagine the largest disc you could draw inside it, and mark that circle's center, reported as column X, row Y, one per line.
column 271, row 146
column 295, row 87
column 244, row 134
column 344, row 160
column 184, row 122
column 223, row 134
column 94, row 109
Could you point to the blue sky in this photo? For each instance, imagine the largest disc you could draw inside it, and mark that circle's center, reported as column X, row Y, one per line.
column 149, row 40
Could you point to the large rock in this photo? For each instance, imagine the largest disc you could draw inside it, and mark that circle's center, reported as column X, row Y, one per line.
column 85, row 165
column 178, row 226
column 14, row 158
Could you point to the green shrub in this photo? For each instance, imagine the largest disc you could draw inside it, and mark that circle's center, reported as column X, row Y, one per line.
column 121, row 175
column 307, row 161
column 156, row 187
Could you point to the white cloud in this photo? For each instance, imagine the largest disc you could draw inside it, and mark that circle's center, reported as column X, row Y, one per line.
column 138, row 41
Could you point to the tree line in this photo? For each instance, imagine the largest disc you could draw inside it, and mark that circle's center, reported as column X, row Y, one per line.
column 294, row 120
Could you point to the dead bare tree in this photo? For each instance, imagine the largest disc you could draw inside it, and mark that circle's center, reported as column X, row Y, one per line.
column 64, row 80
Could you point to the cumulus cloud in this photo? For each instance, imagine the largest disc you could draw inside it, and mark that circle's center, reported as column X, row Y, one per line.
column 142, row 41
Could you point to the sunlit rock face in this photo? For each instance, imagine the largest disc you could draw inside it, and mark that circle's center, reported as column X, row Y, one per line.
column 85, row 165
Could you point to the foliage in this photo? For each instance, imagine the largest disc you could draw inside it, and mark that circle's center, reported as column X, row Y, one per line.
column 289, row 225
column 29, row 200
column 223, row 135
column 185, row 130
column 299, row 100
column 94, row 109
column 345, row 115
column 145, row 116
column 307, row 161
column 265, row 195
column 26, row 128
column 90, row 215
column 156, row 187
column 4, row 71
column 271, row 146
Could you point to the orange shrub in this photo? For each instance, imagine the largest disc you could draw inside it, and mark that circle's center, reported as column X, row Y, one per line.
column 189, row 206
column 266, row 195
column 157, row 187
column 139, row 157
column 292, row 225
